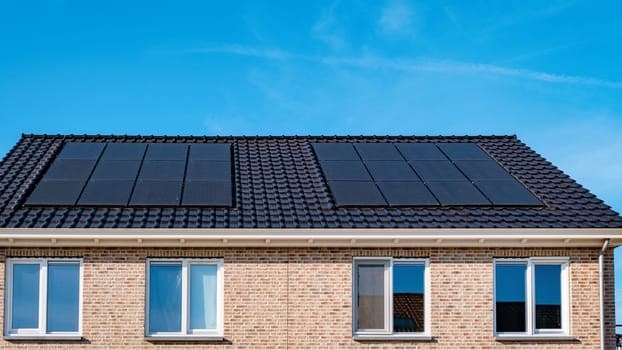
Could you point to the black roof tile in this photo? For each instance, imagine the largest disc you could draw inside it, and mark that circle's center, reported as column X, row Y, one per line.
column 278, row 183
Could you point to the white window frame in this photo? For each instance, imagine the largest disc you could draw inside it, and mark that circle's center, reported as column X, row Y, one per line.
column 530, row 300
column 186, row 333
column 387, row 333
column 41, row 332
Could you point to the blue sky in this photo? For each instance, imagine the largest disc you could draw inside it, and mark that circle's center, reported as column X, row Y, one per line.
column 547, row 71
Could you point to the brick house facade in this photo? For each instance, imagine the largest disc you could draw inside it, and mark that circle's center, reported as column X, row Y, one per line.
column 289, row 253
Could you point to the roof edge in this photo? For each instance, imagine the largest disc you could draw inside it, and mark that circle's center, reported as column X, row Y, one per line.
column 352, row 238
column 293, row 136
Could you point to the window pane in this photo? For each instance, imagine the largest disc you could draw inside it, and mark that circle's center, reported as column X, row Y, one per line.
column 25, row 306
column 408, row 293
column 548, row 296
column 63, row 297
column 510, row 297
column 165, row 298
column 203, row 289
column 370, row 296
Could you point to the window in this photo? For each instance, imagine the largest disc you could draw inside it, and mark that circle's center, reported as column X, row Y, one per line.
column 531, row 297
column 184, row 298
column 390, row 298
column 44, row 298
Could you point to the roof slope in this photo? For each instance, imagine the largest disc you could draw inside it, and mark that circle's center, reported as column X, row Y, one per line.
column 279, row 184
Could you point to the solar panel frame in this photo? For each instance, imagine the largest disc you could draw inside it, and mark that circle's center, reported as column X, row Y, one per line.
column 378, row 151
column 463, row 151
column 210, row 151
column 106, row 193
column 208, row 193
column 162, row 170
column 406, row 193
column 167, row 151
column 335, row 151
column 356, row 194
column 391, row 171
column 116, row 170
column 124, row 151
column 205, row 170
column 437, row 170
column 507, row 193
column 345, row 170
column 81, row 150
column 70, row 169
column 55, row 193
column 420, row 151
column 148, row 193
column 457, row 193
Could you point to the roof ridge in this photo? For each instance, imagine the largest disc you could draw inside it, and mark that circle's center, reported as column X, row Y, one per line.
column 268, row 136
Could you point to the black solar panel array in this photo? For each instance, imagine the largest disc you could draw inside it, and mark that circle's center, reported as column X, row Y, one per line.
column 418, row 174
column 132, row 174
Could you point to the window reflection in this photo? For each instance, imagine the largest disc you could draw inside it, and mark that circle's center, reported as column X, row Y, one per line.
column 165, row 298
column 510, row 297
column 408, row 296
column 548, row 296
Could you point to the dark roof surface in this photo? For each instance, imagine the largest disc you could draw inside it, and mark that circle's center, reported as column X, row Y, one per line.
column 279, row 184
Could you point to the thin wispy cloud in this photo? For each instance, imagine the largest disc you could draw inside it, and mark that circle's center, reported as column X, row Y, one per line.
column 327, row 29
column 448, row 66
column 396, row 18
column 414, row 65
column 240, row 50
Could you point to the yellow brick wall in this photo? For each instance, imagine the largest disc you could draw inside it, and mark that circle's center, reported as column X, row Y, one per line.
column 301, row 298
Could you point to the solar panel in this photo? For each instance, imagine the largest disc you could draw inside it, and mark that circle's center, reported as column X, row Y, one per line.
column 463, row 151
column 107, row 193
column 378, row 151
column 116, row 170
column 162, row 170
column 167, row 151
column 208, row 170
column 391, row 171
column 100, row 174
column 406, row 194
column 335, row 151
column 81, row 150
column 210, row 151
column 54, row 192
column 70, row 169
column 124, row 151
column 207, row 193
column 482, row 170
column 457, row 193
column 345, row 170
column 420, row 151
column 507, row 192
column 437, row 170
column 156, row 193
column 356, row 193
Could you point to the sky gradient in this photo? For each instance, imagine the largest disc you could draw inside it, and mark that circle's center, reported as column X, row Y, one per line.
column 548, row 72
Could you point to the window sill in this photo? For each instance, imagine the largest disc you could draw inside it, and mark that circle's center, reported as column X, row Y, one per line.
column 41, row 337
column 397, row 337
column 184, row 338
column 537, row 337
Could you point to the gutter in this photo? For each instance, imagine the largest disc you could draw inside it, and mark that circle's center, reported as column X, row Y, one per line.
column 380, row 238
column 601, row 275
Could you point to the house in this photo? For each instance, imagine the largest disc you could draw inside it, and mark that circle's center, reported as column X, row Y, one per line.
column 300, row 242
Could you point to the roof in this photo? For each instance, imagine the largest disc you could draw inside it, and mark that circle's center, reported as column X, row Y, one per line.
column 278, row 183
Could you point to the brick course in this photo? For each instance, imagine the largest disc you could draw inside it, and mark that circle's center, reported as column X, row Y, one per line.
column 301, row 298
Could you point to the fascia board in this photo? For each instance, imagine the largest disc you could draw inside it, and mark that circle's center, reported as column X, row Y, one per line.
column 459, row 237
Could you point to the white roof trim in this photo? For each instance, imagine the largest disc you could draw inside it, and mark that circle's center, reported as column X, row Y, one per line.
column 452, row 237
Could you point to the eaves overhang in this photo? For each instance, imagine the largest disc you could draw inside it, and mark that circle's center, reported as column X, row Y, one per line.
column 381, row 238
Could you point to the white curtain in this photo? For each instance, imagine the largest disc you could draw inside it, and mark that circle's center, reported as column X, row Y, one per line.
column 203, row 296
